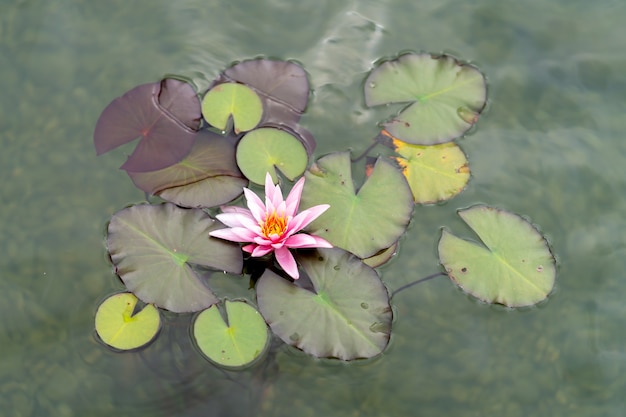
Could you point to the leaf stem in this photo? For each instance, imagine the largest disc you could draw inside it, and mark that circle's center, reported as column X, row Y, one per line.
column 410, row 284
column 364, row 154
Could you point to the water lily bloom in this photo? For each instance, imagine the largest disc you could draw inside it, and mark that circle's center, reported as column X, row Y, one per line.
column 273, row 226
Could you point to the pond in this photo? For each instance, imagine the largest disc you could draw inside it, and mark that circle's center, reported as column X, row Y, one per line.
column 549, row 146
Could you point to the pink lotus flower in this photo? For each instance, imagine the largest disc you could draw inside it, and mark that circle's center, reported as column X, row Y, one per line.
column 273, row 226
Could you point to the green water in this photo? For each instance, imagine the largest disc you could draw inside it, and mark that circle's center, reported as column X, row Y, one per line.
column 550, row 146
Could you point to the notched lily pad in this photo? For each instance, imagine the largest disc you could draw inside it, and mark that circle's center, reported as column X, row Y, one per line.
column 362, row 222
column 266, row 149
column 282, row 85
column 227, row 100
column 444, row 96
column 164, row 115
column 515, row 267
column 344, row 314
column 235, row 343
column 435, row 173
column 207, row 177
column 154, row 246
column 120, row 327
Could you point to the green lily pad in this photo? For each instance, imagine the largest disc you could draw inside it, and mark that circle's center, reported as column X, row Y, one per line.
column 434, row 173
column 239, row 342
column 346, row 314
column 119, row 328
column 362, row 222
column 153, row 247
column 232, row 99
column 445, row 97
column 266, row 149
column 207, row 177
column 515, row 267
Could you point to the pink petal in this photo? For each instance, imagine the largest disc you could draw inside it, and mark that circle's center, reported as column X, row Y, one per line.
column 235, row 209
column 235, row 234
column 293, row 199
column 273, row 195
column 239, row 220
column 261, row 251
column 256, row 206
column 303, row 219
column 249, row 248
column 287, row 262
column 302, row 240
column 260, row 240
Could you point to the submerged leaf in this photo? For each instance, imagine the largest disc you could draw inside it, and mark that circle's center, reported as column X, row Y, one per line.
column 266, row 149
column 445, row 97
column 362, row 222
column 152, row 248
column 165, row 139
column 207, row 177
column 345, row 315
column 119, row 328
column 239, row 341
column 515, row 267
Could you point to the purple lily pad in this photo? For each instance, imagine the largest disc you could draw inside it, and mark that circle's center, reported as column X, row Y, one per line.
column 166, row 128
column 208, row 176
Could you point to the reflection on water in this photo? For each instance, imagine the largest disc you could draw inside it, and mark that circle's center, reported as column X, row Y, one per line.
column 550, row 147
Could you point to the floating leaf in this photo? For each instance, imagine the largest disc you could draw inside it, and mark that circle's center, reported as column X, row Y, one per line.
column 346, row 314
column 266, row 149
column 514, row 267
column 235, row 343
column 165, row 139
column 362, row 222
column 152, row 248
column 180, row 99
column 236, row 100
column 119, row 328
column 445, row 96
column 207, row 177
column 434, row 173
column 282, row 85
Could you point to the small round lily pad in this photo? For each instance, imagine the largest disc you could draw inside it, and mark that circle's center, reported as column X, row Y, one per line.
column 232, row 99
column 235, row 342
column 119, row 328
column 266, row 149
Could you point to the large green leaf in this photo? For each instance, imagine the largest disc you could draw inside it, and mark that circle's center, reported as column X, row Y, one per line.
column 119, row 328
column 346, row 314
column 444, row 96
column 152, row 248
column 227, row 100
column 266, row 149
column 362, row 222
column 207, row 177
column 515, row 267
column 235, row 343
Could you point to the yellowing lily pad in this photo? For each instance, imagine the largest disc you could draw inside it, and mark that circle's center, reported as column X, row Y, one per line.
column 236, row 343
column 434, row 173
column 515, row 267
column 444, row 97
column 266, row 149
column 232, row 99
column 119, row 328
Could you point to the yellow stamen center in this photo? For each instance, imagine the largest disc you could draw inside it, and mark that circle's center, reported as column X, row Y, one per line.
column 274, row 225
